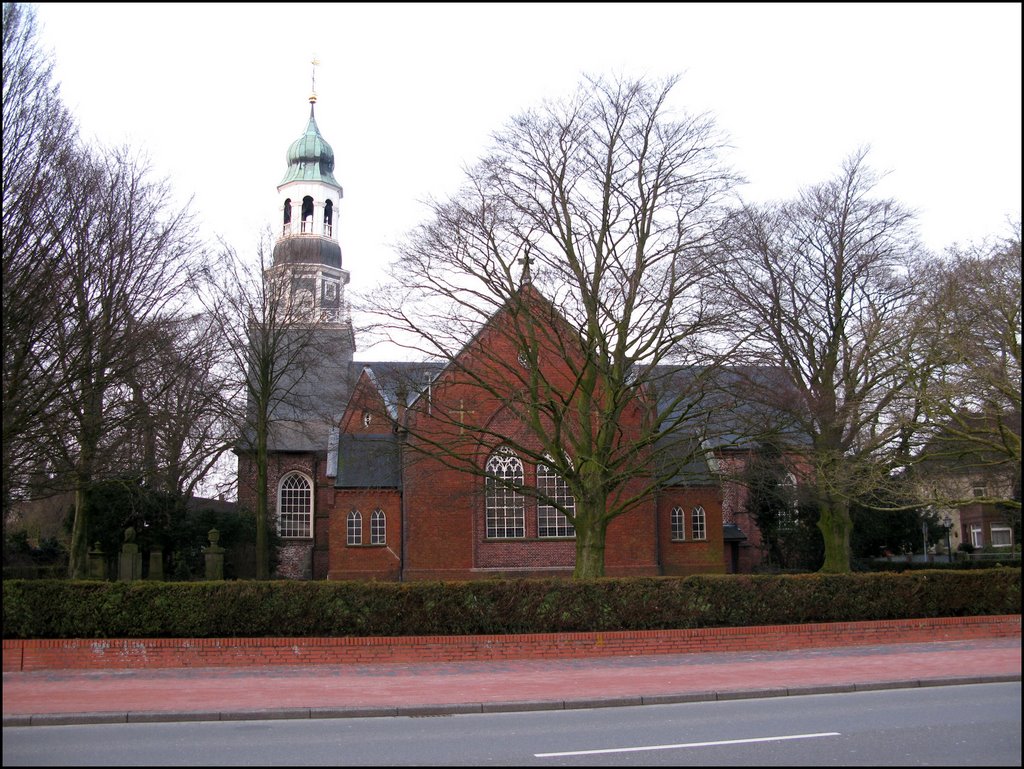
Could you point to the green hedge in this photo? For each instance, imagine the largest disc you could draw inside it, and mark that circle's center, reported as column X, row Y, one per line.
column 78, row 609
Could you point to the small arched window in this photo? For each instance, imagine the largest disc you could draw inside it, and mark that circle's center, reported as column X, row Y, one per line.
column 287, row 211
column 678, row 524
column 378, row 529
column 328, row 218
column 698, row 523
column 504, row 501
column 295, row 506
column 307, row 214
column 354, row 527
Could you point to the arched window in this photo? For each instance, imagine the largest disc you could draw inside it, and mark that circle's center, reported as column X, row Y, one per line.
column 307, row 214
column 378, row 535
column 504, row 502
column 295, row 506
column 328, row 217
column 697, row 523
column 551, row 522
column 354, row 527
column 678, row 524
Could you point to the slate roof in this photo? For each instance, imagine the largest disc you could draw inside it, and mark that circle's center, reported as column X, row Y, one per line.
column 368, row 461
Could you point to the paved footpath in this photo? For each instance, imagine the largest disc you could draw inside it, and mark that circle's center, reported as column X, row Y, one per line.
column 337, row 691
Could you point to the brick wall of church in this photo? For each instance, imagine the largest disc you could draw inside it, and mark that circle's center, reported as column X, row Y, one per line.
column 365, row 560
column 689, row 555
column 296, row 558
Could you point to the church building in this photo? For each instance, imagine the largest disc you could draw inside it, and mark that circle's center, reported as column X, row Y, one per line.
column 397, row 471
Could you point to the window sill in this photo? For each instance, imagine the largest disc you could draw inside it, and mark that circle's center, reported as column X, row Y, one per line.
column 529, row 539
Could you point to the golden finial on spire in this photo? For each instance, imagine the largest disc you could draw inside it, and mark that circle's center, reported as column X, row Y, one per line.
column 312, row 95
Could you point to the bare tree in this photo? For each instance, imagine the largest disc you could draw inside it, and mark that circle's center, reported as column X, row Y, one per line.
column 818, row 287
column 178, row 391
column 272, row 344
column 39, row 140
column 971, row 368
column 126, row 250
column 588, row 225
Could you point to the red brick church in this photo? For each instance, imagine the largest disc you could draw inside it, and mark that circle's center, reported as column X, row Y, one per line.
column 406, row 471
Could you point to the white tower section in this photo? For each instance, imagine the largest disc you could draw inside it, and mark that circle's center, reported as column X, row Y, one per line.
column 306, row 253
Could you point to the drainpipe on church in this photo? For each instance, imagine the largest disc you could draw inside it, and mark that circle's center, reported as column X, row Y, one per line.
column 401, row 494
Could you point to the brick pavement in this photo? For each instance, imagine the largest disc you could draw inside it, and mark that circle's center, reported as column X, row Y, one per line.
column 309, row 691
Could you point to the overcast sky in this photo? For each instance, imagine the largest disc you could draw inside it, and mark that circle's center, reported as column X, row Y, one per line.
column 409, row 94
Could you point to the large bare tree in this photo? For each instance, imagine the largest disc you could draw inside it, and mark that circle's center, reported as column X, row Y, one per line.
column 39, row 140
column 818, row 287
column 589, row 224
column 126, row 250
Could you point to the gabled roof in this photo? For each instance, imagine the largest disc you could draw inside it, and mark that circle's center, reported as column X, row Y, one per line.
column 730, row 402
column 399, row 383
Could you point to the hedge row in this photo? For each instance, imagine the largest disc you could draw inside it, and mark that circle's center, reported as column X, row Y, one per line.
column 73, row 609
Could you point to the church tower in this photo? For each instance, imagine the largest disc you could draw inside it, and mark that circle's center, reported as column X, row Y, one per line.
column 314, row 384
column 307, row 255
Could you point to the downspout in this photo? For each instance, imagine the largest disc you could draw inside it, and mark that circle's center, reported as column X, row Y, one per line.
column 402, row 503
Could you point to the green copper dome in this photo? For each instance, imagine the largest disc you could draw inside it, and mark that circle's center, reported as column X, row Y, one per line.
column 310, row 158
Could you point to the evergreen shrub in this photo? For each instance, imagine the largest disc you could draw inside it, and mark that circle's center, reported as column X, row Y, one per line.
column 281, row 608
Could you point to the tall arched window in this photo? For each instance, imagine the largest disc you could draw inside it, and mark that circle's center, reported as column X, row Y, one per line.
column 295, row 506
column 354, row 528
column 287, row 215
column 504, row 502
column 551, row 522
column 328, row 217
column 678, row 524
column 698, row 523
column 307, row 214
column 378, row 535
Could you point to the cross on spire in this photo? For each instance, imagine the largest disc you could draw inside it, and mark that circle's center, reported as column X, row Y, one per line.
column 526, row 261
column 312, row 94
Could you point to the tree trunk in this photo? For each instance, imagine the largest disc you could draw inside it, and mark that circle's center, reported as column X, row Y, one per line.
column 262, row 493
column 590, row 549
column 78, row 549
column 835, row 525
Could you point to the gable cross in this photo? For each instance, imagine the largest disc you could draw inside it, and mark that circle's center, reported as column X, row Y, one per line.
column 462, row 415
column 526, row 261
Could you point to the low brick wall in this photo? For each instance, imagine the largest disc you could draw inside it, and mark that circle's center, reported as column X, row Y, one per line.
column 62, row 654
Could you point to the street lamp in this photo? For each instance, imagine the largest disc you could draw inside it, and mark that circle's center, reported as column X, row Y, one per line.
column 947, row 524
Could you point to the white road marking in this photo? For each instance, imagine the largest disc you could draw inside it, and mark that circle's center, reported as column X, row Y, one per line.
column 686, row 745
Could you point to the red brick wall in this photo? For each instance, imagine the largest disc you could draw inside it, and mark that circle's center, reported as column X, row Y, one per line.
column 297, row 558
column 27, row 655
column 365, row 561
column 691, row 556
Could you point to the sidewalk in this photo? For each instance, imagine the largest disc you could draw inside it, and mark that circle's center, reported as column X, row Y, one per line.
column 339, row 691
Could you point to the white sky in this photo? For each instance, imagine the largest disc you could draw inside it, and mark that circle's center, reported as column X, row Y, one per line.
column 410, row 93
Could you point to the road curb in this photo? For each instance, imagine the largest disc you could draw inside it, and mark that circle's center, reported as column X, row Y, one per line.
column 418, row 711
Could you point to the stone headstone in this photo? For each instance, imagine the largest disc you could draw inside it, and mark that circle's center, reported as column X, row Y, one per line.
column 214, row 557
column 129, row 561
column 156, row 563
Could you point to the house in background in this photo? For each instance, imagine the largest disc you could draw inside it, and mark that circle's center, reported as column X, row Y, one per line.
column 971, row 480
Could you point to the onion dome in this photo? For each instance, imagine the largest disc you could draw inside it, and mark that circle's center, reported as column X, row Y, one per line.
column 310, row 157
